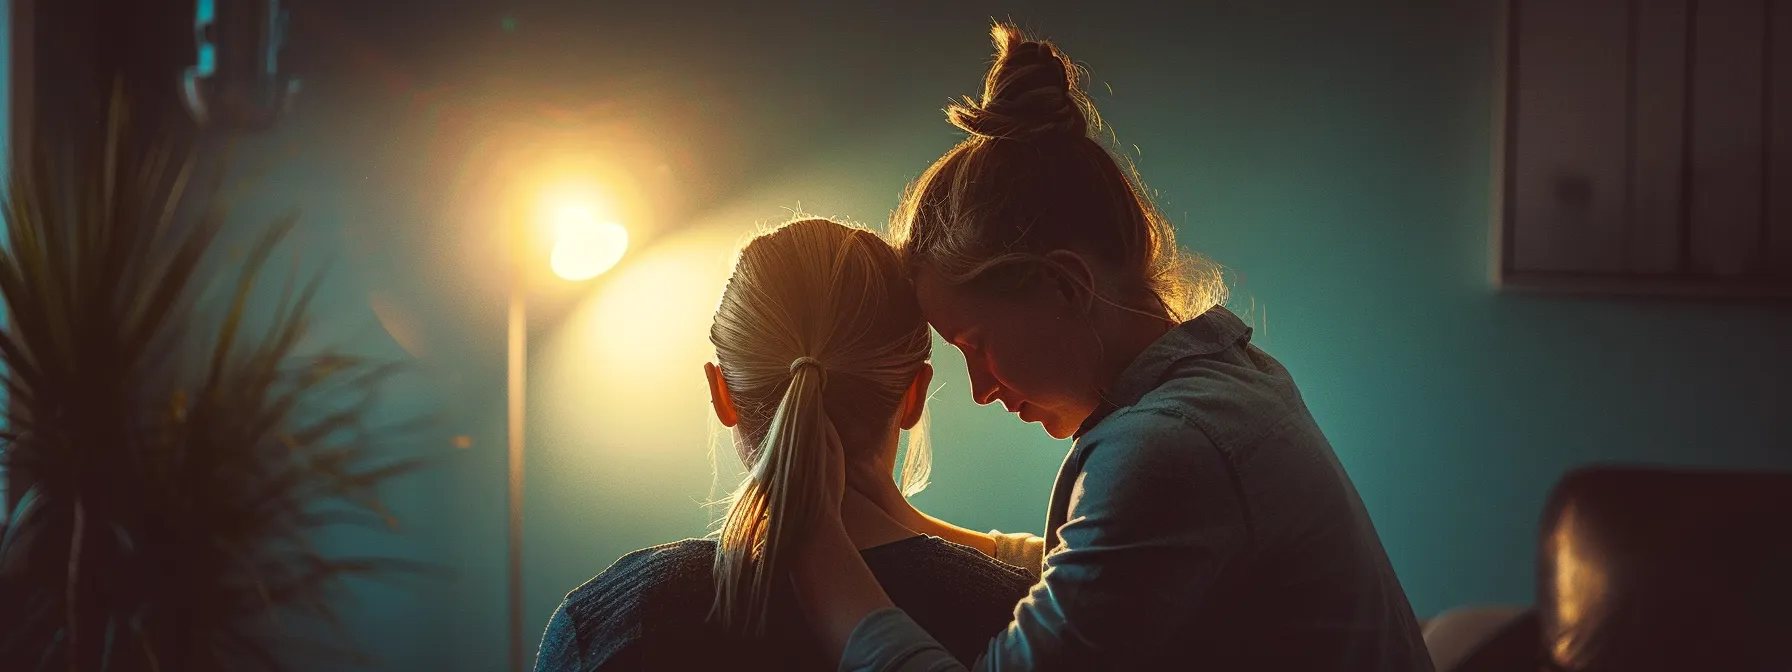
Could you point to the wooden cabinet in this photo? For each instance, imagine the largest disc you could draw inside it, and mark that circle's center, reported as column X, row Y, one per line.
column 1645, row 147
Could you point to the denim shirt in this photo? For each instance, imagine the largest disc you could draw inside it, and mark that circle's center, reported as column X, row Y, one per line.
column 1201, row 522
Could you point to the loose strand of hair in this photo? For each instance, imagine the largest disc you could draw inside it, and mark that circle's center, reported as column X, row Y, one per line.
column 917, row 457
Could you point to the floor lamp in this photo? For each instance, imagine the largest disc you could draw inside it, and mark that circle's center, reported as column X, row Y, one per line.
column 584, row 248
column 517, row 341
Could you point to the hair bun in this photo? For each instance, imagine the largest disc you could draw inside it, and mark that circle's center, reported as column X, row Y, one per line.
column 1030, row 93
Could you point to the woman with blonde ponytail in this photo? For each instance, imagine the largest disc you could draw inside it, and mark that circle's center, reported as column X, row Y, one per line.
column 821, row 350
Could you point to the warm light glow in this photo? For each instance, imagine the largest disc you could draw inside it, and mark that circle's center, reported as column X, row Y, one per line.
column 570, row 205
column 622, row 376
column 583, row 246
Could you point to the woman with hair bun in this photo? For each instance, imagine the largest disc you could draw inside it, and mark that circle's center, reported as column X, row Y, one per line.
column 1202, row 520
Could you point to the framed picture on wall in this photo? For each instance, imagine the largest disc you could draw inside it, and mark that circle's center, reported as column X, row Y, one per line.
column 1645, row 147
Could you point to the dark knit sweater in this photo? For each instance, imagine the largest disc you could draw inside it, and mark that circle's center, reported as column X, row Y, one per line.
column 649, row 611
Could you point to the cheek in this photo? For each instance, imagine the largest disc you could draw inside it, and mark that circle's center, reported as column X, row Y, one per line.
column 1020, row 361
column 1036, row 364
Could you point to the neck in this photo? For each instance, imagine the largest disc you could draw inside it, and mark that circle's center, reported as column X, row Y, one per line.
column 873, row 506
column 867, row 524
column 1128, row 336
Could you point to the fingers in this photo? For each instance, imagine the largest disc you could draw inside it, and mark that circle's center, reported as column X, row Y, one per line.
column 836, row 468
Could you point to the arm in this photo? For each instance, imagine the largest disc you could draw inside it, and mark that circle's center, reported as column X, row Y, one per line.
column 834, row 587
column 1154, row 518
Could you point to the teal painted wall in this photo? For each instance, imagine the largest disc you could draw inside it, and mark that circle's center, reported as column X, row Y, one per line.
column 1336, row 159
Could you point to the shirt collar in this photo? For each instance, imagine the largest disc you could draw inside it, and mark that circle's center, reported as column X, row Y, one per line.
column 1206, row 334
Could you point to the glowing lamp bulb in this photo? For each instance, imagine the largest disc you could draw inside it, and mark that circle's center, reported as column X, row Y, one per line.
column 585, row 247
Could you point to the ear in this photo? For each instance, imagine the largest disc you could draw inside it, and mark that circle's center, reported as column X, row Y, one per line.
column 915, row 399
column 718, row 395
column 1075, row 280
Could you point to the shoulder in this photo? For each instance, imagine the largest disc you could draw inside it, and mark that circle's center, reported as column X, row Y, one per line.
column 1216, row 432
column 938, row 554
column 607, row 616
column 1151, row 445
column 960, row 596
column 657, row 561
column 1152, row 472
column 1230, row 400
column 1234, row 396
column 1150, row 436
column 930, row 568
column 636, row 575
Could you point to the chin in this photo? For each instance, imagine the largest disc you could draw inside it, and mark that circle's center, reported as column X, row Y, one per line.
column 1058, row 430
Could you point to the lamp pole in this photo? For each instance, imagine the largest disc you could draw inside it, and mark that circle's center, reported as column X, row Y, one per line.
column 517, row 341
column 520, row 244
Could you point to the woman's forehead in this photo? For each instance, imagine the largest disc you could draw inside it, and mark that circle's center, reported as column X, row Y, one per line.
column 947, row 308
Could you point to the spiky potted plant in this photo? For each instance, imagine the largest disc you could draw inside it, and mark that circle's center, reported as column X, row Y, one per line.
column 167, row 496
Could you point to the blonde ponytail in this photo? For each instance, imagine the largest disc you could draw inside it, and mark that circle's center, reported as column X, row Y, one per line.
column 777, row 498
column 817, row 337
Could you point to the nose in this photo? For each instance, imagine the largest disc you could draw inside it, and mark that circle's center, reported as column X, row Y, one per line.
column 983, row 385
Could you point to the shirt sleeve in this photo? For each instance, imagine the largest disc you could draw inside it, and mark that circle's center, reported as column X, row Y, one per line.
column 1020, row 549
column 1153, row 519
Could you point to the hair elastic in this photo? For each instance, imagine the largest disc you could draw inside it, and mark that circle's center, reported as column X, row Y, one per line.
column 807, row 361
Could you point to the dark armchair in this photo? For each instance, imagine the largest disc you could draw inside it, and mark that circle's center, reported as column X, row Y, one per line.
column 1644, row 569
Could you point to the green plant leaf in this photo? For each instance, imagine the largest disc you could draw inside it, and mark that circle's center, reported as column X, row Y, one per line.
column 207, row 448
column 17, row 521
